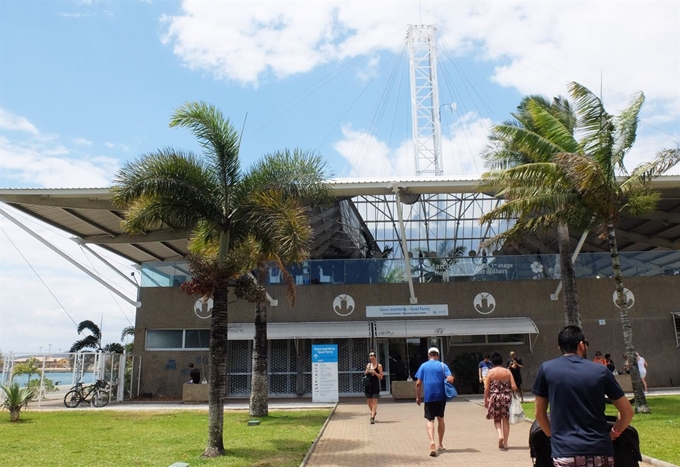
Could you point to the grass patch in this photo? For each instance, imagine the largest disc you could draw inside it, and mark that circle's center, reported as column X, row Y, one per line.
column 659, row 431
column 113, row 438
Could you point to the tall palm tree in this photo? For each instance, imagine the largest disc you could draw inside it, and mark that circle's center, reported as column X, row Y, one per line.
column 128, row 331
column 519, row 149
column 206, row 195
column 592, row 176
column 275, row 197
column 581, row 187
column 92, row 341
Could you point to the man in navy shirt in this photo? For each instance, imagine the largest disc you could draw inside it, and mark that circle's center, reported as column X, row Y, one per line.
column 576, row 388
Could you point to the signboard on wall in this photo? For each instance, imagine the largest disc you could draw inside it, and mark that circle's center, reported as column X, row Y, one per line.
column 325, row 373
column 390, row 311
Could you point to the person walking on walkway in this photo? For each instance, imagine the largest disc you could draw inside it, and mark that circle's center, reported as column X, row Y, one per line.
column 430, row 390
column 483, row 369
column 497, row 398
column 575, row 388
column 642, row 368
column 374, row 370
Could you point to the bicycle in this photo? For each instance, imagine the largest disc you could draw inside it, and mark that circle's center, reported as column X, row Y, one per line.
column 100, row 392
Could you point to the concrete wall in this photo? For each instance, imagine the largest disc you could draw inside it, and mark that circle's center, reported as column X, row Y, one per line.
column 164, row 372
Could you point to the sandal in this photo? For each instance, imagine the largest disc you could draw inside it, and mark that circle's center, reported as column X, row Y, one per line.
column 500, row 443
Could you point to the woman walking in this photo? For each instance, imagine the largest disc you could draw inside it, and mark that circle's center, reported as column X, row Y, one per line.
column 374, row 370
column 497, row 398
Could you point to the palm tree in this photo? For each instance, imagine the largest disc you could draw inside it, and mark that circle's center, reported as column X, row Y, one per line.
column 581, row 187
column 128, row 331
column 519, row 150
column 205, row 195
column 275, row 195
column 93, row 341
column 30, row 367
column 16, row 398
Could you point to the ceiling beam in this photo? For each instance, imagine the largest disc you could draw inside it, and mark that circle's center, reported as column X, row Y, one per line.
column 159, row 236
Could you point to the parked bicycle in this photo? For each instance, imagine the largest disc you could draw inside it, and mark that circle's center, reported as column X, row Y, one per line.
column 99, row 393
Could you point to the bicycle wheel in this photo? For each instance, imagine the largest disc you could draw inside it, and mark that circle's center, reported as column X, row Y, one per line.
column 100, row 398
column 72, row 398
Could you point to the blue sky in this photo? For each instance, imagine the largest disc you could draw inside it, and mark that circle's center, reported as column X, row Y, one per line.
column 87, row 85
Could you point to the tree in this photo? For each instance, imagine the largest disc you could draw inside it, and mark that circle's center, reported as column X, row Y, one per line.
column 583, row 183
column 519, row 155
column 276, row 193
column 128, row 331
column 93, row 341
column 205, row 195
column 30, row 367
column 16, row 399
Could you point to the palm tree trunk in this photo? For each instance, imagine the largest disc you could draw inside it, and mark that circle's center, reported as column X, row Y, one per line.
column 218, row 372
column 259, row 384
column 14, row 414
column 571, row 308
column 621, row 302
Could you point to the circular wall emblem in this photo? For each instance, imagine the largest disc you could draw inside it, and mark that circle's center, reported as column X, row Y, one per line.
column 630, row 298
column 343, row 305
column 203, row 308
column 484, row 303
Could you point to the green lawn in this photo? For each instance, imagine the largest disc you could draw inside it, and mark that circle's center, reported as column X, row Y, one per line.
column 145, row 438
column 659, row 431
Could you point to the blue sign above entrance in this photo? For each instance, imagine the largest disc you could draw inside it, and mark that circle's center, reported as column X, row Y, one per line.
column 325, row 353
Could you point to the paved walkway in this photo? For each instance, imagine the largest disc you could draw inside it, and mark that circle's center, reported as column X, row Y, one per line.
column 398, row 437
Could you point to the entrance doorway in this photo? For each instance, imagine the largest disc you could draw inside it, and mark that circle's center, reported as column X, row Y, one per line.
column 401, row 358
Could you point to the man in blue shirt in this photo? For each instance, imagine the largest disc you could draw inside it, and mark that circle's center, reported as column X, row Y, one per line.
column 576, row 388
column 430, row 381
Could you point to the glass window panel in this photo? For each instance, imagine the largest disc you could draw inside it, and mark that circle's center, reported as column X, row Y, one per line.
column 164, row 339
column 197, row 339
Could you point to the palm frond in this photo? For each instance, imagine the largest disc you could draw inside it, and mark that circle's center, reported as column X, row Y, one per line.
column 216, row 135
column 626, row 128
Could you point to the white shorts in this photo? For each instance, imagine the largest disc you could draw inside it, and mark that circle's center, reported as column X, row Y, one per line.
column 643, row 374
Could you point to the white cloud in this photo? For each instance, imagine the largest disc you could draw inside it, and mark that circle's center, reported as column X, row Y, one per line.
column 9, row 121
column 41, row 160
column 82, row 142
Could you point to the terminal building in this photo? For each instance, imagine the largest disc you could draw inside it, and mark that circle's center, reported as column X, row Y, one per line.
column 397, row 266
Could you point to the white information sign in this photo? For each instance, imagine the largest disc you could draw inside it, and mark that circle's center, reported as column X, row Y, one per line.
column 406, row 310
column 325, row 373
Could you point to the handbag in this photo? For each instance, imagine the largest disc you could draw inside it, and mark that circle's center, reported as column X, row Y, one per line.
column 516, row 410
column 449, row 389
column 366, row 380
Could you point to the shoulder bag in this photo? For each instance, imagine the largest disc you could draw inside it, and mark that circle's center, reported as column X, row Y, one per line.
column 449, row 389
column 366, row 380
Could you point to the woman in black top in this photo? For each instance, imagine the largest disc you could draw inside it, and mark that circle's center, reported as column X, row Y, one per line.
column 374, row 370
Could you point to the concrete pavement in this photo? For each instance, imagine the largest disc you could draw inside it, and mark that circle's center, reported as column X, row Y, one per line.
column 398, row 438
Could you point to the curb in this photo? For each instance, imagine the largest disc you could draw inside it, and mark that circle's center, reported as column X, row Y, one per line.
column 318, row 437
column 657, row 462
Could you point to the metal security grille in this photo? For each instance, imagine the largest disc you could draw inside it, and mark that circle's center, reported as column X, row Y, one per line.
column 239, row 369
column 282, row 367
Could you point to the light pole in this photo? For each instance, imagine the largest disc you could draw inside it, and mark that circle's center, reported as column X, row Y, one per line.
column 40, row 347
column 49, row 349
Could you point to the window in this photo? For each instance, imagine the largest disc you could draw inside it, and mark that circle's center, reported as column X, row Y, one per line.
column 174, row 339
column 488, row 339
column 676, row 322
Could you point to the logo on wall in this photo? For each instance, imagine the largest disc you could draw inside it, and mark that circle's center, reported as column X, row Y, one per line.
column 343, row 305
column 203, row 308
column 484, row 303
column 630, row 298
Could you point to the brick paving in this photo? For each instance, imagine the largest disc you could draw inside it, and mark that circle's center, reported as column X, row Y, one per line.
column 398, row 437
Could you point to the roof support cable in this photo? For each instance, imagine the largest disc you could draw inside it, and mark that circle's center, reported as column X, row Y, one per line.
column 136, row 304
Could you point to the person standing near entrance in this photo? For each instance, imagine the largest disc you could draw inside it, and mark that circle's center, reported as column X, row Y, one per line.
column 515, row 366
column 575, row 388
column 374, row 370
column 484, row 367
column 642, row 368
column 430, row 389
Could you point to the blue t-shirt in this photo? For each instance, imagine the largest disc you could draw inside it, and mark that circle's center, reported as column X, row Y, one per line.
column 576, row 389
column 431, row 373
column 485, row 366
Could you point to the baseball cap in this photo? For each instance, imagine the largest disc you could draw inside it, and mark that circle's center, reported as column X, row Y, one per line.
column 433, row 350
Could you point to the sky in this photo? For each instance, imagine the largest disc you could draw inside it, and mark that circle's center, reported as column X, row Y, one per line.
column 86, row 85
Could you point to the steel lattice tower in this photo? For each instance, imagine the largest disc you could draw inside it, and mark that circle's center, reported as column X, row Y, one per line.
column 425, row 99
